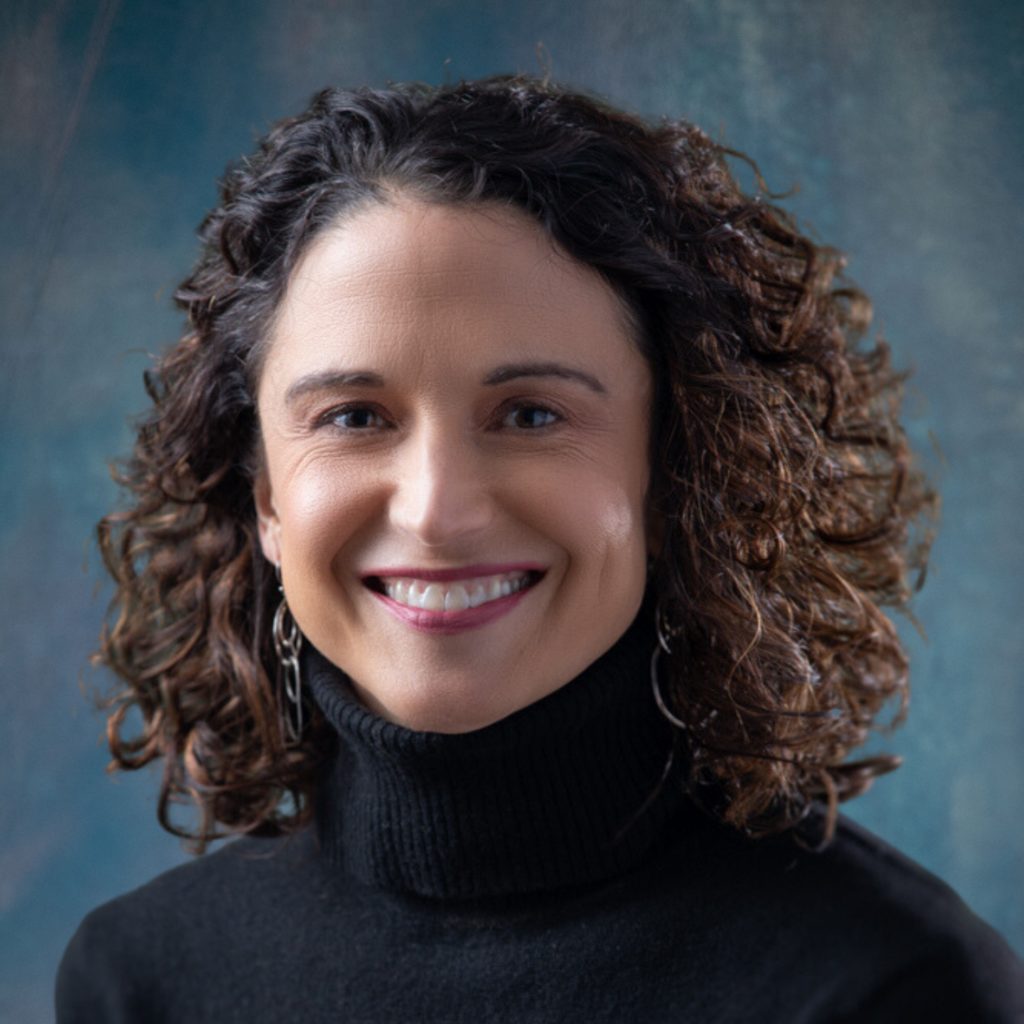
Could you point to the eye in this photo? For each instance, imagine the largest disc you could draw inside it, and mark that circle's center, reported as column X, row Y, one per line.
column 355, row 417
column 528, row 416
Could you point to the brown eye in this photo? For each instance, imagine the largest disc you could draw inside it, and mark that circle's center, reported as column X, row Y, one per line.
column 356, row 417
column 530, row 417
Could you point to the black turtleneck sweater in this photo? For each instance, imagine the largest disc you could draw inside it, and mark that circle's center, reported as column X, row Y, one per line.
column 534, row 871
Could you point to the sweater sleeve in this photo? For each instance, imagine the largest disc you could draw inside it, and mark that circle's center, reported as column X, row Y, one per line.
column 97, row 981
column 981, row 981
column 946, row 963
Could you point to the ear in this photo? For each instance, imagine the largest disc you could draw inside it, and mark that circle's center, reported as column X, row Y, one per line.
column 266, row 514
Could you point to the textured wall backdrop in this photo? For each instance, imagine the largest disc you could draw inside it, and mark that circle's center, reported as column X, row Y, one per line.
column 901, row 122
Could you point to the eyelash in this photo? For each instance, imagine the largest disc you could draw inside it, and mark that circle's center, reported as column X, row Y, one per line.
column 515, row 407
column 329, row 419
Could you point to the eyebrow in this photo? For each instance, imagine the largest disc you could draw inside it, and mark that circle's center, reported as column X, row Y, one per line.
column 329, row 380
column 513, row 371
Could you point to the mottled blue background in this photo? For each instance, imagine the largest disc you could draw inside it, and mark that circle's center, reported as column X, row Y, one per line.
column 901, row 123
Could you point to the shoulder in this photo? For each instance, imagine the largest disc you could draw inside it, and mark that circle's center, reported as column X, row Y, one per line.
column 195, row 892
column 127, row 951
column 865, row 931
column 865, row 877
column 942, row 957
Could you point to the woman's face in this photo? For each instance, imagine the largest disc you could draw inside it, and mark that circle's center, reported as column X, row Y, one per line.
column 452, row 410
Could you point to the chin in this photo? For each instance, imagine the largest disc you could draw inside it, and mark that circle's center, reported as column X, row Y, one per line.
column 453, row 710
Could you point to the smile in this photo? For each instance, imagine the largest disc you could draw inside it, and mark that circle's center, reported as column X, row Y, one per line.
column 453, row 597
column 450, row 606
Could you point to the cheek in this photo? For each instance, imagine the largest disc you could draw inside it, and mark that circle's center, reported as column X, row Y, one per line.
column 617, row 521
column 322, row 508
column 590, row 513
column 616, row 531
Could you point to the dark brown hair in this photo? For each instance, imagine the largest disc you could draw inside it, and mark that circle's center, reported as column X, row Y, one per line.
column 783, row 484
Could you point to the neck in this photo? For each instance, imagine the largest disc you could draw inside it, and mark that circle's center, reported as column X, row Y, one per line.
column 566, row 791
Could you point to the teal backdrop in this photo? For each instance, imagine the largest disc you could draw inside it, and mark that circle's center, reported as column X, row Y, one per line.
column 900, row 123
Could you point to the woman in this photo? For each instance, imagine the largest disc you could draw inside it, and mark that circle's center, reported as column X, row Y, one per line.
column 505, row 561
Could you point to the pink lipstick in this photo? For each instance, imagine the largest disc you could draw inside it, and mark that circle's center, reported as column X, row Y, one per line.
column 456, row 621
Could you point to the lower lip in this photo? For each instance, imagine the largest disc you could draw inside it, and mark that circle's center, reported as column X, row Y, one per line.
column 452, row 622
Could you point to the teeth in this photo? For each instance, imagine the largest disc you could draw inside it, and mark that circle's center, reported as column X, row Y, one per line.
column 453, row 597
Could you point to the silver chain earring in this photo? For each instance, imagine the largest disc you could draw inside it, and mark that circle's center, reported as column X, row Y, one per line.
column 288, row 644
column 665, row 631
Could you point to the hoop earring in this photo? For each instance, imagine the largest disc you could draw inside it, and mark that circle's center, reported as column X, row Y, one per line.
column 664, row 631
column 288, row 644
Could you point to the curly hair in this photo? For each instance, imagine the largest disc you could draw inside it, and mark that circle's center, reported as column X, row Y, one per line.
column 783, row 485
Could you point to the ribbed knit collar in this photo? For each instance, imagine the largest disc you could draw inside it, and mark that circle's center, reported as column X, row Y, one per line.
column 559, row 793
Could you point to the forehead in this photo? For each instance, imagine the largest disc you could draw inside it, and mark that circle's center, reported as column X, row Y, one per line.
column 456, row 282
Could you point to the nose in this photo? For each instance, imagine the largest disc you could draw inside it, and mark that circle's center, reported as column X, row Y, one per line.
column 442, row 494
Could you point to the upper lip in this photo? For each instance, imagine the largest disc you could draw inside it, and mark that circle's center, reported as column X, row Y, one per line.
column 463, row 572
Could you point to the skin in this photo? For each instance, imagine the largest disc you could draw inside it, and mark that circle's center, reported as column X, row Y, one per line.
column 436, row 469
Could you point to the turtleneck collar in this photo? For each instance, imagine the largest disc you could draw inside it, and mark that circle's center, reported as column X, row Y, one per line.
column 561, row 792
